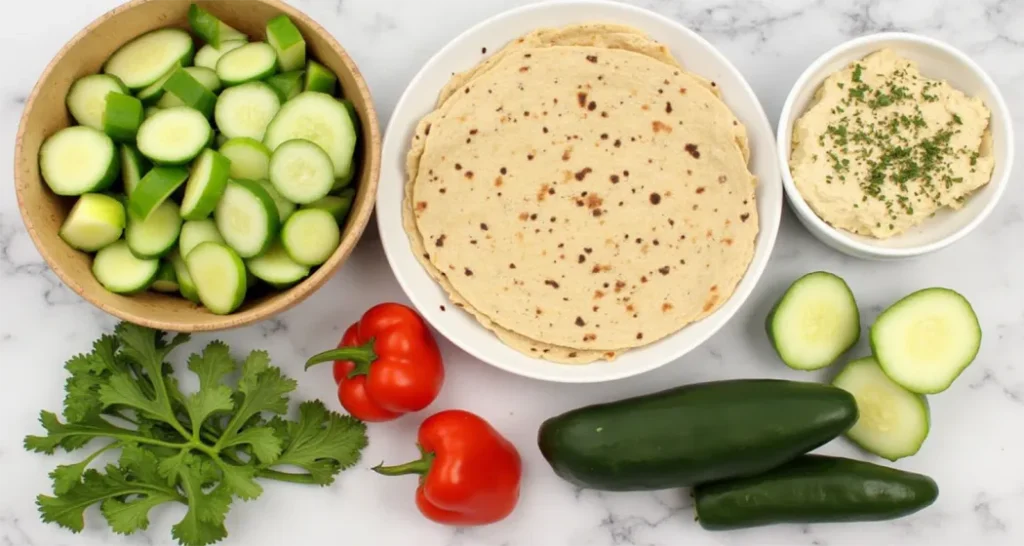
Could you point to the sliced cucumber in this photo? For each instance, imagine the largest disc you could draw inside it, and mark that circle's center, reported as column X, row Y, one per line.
column 287, row 41
column 133, row 167
column 152, row 93
column 345, row 180
column 246, row 110
column 144, row 60
column 212, row 30
column 208, row 78
column 247, row 218
column 319, row 78
column 154, row 188
column 122, row 117
column 174, row 136
column 893, row 422
column 287, row 84
column 166, row 279
column 87, row 98
column 349, row 175
column 155, row 236
column 276, row 268
column 925, row 340
column 207, row 56
column 301, row 171
column 250, row 159
column 321, row 119
column 310, row 236
column 184, row 89
column 149, row 112
column 94, row 222
column 814, row 322
column 285, row 208
column 186, row 287
column 205, row 185
column 337, row 205
column 219, row 276
column 120, row 271
column 250, row 62
column 77, row 160
column 194, row 232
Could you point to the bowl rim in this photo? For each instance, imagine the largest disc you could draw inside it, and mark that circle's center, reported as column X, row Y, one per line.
column 357, row 221
column 766, row 237
column 839, row 239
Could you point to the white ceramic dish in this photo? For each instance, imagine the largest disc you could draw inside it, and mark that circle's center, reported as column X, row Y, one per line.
column 935, row 60
column 463, row 53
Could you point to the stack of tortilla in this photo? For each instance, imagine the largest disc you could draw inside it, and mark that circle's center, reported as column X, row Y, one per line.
column 580, row 194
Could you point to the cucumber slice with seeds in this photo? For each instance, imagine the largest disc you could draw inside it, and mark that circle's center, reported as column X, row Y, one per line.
column 337, row 205
column 120, row 271
column 250, row 159
column 205, row 185
column 174, row 136
column 310, row 236
column 925, row 341
column 194, row 232
column 301, row 171
column 212, row 30
column 166, row 279
column 247, row 218
column 155, row 236
column 186, row 287
column 276, row 268
column 184, row 89
column 133, row 167
column 287, row 84
column 154, row 188
column 207, row 56
column 319, row 78
column 87, row 98
column 285, row 208
column 94, row 222
column 814, row 322
column 287, row 41
column 250, row 62
column 893, row 422
column 320, row 119
column 246, row 110
column 122, row 117
column 219, row 276
column 144, row 60
column 77, row 160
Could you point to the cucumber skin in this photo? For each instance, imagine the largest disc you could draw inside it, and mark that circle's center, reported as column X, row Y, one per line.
column 694, row 434
column 814, row 489
column 770, row 327
column 129, row 115
column 319, row 78
column 191, row 92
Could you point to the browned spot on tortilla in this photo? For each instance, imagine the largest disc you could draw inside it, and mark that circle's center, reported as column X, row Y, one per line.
column 567, row 154
column 668, row 107
column 598, row 294
column 744, row 216
column 592, row 58
column 511, row 266
column 580, row 322
column 458, row 166
column 592, row 106
column 682, row 90
column 604, row 114
column 658, row 127
column 692, row 150
column 645, row 107
column 443, row 190
column 498, row 181
column 600, row 267
column 523, row 68
column 440, row 240
column 581, row 259
column 529, row 157
column 619, row 285
column 700, row 190
column 421, row 206
column 572, row 354
column 666, row 307
column 581, row 98
column 594, row 201
column 473, row 131
column 524, row 216
column 542, row 193
column 426, row 131
column 727, row 241
column 589, row 337
column 582, row 173
column 617, row 143
column 483, row 226
column 710, row 302
column 722, row 179
column 663, row 270
column 655, row 198
column 643, row 279
column 708, row 234
column 468, row 272
column 538, row 311
column 630, row 308
column 639, row 335
column 551, row 283
column 469, row 175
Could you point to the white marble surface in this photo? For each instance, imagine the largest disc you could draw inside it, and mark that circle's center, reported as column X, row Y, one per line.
column 975, row 451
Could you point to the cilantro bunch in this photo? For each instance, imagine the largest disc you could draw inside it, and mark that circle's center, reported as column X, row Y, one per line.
column 202, row 449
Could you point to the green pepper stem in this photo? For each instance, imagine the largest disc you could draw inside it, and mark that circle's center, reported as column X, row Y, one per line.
column 362, row 356
column 420, row 466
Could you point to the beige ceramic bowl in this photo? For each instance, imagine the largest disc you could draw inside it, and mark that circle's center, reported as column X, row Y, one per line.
column 45, row 113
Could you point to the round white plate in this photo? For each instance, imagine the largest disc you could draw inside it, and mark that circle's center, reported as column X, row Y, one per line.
column 462, row 53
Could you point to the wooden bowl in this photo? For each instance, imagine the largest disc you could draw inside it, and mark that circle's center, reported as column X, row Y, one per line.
column 45, row 114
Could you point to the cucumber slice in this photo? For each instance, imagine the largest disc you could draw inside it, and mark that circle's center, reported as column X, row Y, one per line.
column 166, row 279
column 186, row 287
column 155, row 236
column 925, row 340
column 194, row 232
column 77, row 160
column 146, row 59
column 250, row 159
column 206, row 76
column 184, row 89
column 212, row 30
column 287, row 84
column 174, row 136
column 814, row 322
column 349, row 175
column 251, row 62
column 287, row 42
column 120, row 271
column 285, row 208
column 346, row 180
column 301, row 171
column 893, row 422
column 276, row 268
column 94, row 222
column 247, row 218
column 133, row 167
column 207, row 56
column 246, row 110
column 149, row 112
column 122, row 117
column 337, row 205
column 310, row 236
column 154, row 188
column 154, row 92
column 319, row 78
column 320, row 119
column 205, row 185
column 219, row 276
column 87, row 98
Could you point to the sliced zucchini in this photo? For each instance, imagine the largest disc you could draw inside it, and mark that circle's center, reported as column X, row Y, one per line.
column 814, row 322
column 186, row 287
column 345, row 179
column 174, row 136
column 149, row 112
column 120, row 271
column 144, row 60
column 219, row 276
column 206, row 76
column 247, row 218
column 287, row 41
column 285, row 208
column 250, row 159
column 276, row 268
column 77, row 160
column 133, row 167
column 924, row 341
column 250, row 62
column 893, row 422
column 319, row 78
column 166, row 279
column 87, row 98
column 122, row 117
column 154, row 188
column 184, row 89
column 287, row 84
column 205, row 185
column 301, row 171
column 321, row 119
column 310, row 236
column 207, row 56
column 94, row 222
column 246, row 110
column 212, row 30
column 152, row 93
column 337, row 205
column 194, row 232
column 155, row 236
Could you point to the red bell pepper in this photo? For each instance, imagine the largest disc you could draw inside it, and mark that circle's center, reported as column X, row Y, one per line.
column 387, row 364
column 469, row 473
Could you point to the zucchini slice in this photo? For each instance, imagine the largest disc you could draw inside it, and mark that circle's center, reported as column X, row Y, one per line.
column 184, row 89
column 250, row 159
column 814, row 322
column 154, row 236
column 174, row 136
column 287, row 41
column 122, row 117
column 247, row 218
column 154, row 188
column 246, row 110
column 250, row 62
column 219, row 276
column 144, row 60
column 194, row 232
column 133, row 167
column 276, row 268
column 301, row 171
column 186, row 287
column 207, row 56
column 318, row 118
column 212, row 30
column 319, row 78
column 77, row 160
column 166, row 279
column 310, row 236
column 287, row 84
column 337, row 205
column 205, row 185
column 95, row 221
column 87, row 98
column 285, row 208
column 120, row 271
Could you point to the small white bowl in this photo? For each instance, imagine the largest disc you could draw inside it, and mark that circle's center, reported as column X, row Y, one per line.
column 936, row 60
column 463, row 53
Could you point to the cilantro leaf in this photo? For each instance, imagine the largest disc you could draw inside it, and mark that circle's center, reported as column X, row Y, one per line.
column 263, row 389
column 68, row 436
column 322, row 442
column 240, row 480
column 213, row 396
column 204, row 521
column 265, row 444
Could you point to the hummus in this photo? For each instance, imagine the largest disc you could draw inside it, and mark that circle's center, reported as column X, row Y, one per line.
column 882, row 148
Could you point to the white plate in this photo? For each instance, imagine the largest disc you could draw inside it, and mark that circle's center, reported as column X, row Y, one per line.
column 463, row 53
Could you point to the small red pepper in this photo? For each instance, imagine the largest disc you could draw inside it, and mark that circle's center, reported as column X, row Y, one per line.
column 469, row 473
column 387, row 364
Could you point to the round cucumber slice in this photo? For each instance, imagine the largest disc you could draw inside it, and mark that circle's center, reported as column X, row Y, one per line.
column 174, row 136
column 250, row 62
column 318, row 118
column 120, row 271
column 155, row 236
column 207, row 56
column 186, row 287
column 77, row 160
column 154, row 188
column 337, row 205
column 814, row 322
column 166, row 279
column 250, row 159
column 301, row 171
column 147, row 58
column 94, row 222
column 246, row 110
column 276, row 268
column 194, row 232
column 310, row 236
column 205, row 185
column 285, row 208
column 87, row 98
column 247, row 218
column 219, row 276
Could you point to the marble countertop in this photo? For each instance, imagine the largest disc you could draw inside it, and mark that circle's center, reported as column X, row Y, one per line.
column 975, row 450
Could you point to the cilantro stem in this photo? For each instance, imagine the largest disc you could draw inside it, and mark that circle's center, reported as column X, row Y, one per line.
column 286, row 476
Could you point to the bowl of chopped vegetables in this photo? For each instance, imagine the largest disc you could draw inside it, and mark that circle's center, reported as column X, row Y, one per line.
column 195, row 166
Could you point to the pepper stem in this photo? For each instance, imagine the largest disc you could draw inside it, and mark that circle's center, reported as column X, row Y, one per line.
column 362, row 356
column 420, row 466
